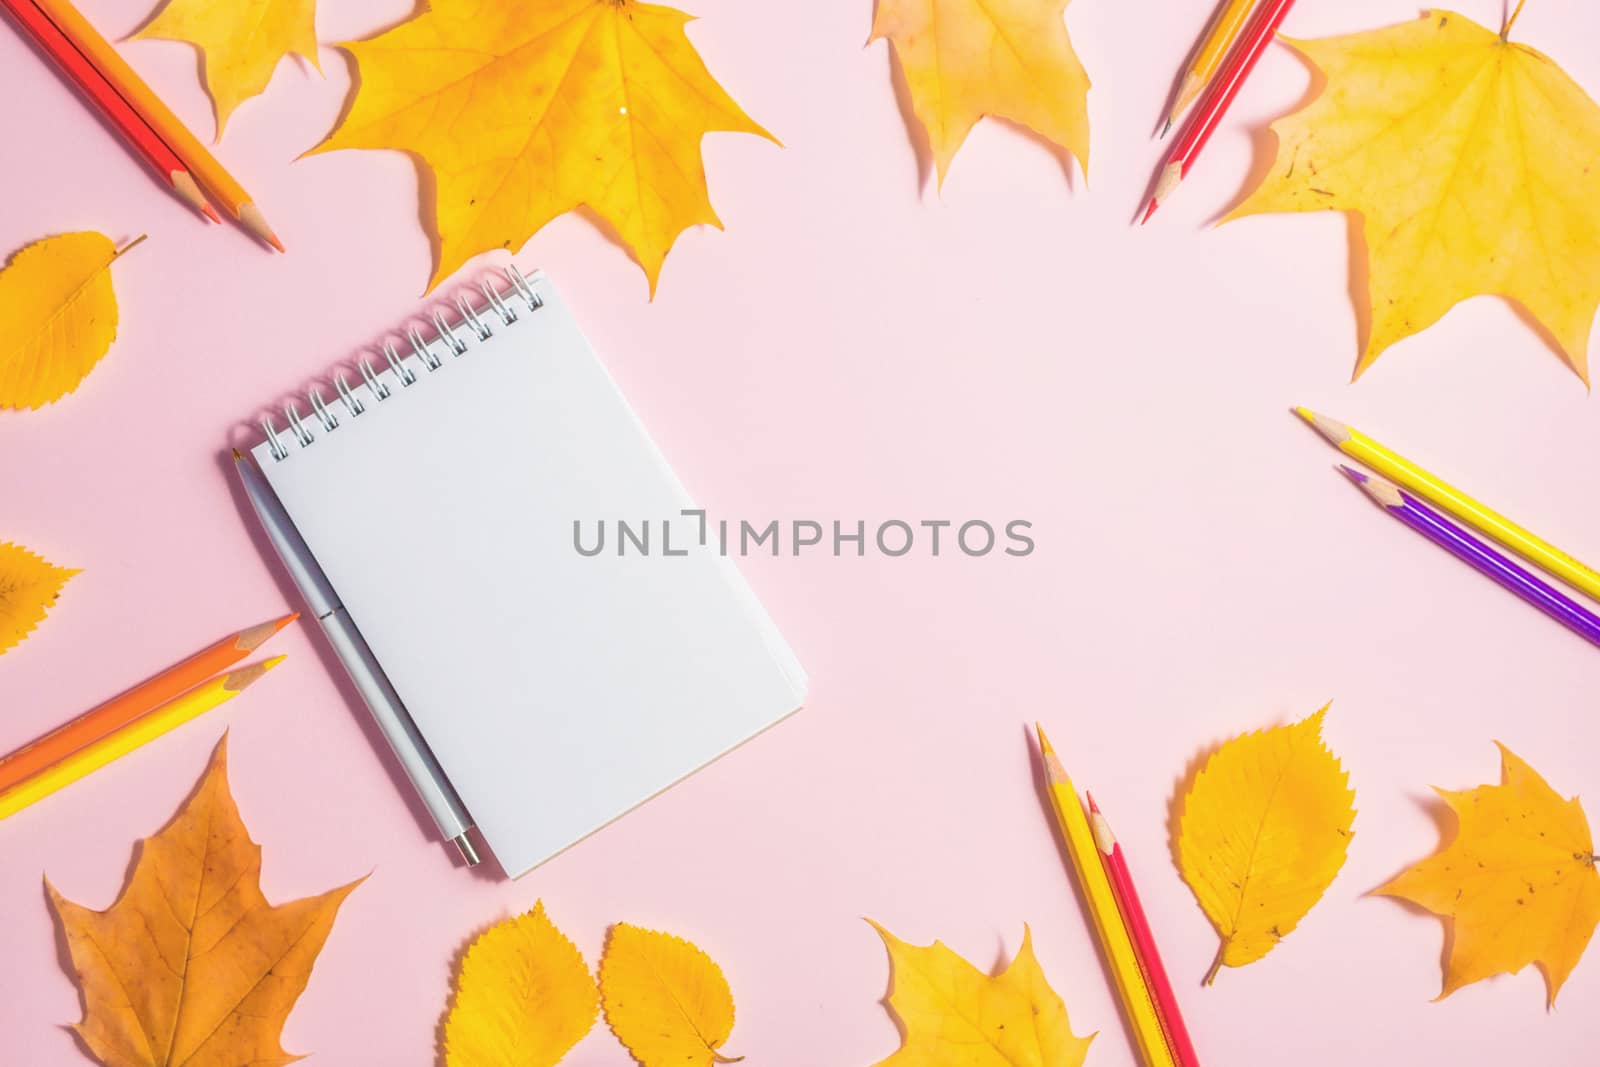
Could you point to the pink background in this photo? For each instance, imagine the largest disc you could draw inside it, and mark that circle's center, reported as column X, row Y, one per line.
column 855, row 345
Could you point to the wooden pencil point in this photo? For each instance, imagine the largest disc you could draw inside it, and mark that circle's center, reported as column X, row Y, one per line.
column 256, row 636
column 251, row 218
column 235, row 681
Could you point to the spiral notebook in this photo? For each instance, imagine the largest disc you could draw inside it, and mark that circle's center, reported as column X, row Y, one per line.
column 439, row 490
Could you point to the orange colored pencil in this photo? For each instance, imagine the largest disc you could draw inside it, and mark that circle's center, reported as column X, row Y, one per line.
column 118, row 712
column 117, row 111
column 1144, row 941
column 132, row 88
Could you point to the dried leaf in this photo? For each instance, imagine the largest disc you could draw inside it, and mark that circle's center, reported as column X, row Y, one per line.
column 1264, row 830
column 665, row 999
column 1474, row 163
column 29, row 584
column 1518, row 884
column 954, row 1015
column 524, row 997
column 964, row 59
column 191, row 966
column 526, row 111
column 58, row 316
column 241, row 42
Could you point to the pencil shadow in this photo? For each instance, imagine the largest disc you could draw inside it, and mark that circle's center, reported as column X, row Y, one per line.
column 1041, row 789
column 243, row 437
column 1444, row 820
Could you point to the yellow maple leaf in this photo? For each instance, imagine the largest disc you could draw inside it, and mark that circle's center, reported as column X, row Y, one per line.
column 1474, row 163
column 954, row 1015
column 526, row 111
column 240, row 41
column 1264, row 829
column 964, row 59
column 191, row 966
column 29, row 584
column 524, row 997
column 665, row 999
column 58, row 316
column 1518, row 884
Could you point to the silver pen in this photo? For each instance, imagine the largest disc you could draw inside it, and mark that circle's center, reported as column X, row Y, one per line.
column 381, row 699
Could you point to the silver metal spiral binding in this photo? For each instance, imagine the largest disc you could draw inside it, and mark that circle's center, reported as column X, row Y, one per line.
column 471, row 319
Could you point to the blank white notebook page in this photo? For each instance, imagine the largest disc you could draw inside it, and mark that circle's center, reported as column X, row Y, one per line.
column 556, row 690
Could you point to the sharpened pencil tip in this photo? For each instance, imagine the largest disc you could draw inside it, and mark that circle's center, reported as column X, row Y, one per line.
column 1093, row 807
column 1353, row 474
column 1167, row 128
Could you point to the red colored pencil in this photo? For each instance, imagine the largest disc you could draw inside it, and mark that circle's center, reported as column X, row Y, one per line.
column 1144, row 942
column 1218, row 98
column 117, row 111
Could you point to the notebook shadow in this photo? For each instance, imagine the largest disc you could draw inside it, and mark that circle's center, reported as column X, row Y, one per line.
column 243, row 437
column 1041, row 790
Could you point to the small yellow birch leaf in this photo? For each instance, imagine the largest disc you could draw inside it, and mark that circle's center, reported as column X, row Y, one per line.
column 523, row 999
column 954, row 1015
column 964, row 59
column 1474, row 163
column 1518, row 884
column 240, row 42
column 28, row 586
column 58, row 316
column 1264, row 829
column 665, row 999
column 525, row 111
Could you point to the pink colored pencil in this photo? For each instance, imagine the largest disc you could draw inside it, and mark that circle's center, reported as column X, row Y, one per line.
column 1144, row 942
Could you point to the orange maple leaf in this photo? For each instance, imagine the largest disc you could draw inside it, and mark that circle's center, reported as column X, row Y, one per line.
column 191, row 965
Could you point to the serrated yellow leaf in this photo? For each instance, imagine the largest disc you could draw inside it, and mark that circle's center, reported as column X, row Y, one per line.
column 665, row 999
column 58, row 316
column 526, row 111
column 241, row 42
column 524, row 997
column 1474, row 164
column 1518, row 884
column 954, row 1015
column 29, row 584
column 191, row 967
column 964, row 59
column 1264, row 829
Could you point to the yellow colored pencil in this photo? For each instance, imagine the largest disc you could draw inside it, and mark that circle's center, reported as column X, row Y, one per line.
column 1137, row 1003
column 1221, row 32
column 137, row 733
column 1485, row 520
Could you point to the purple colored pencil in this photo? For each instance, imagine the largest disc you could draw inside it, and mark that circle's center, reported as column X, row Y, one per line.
column 1459, row 543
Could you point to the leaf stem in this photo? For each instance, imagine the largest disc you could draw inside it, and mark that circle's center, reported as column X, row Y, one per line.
column 1216, row 965
column 130, row 246
column 1505, row 30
